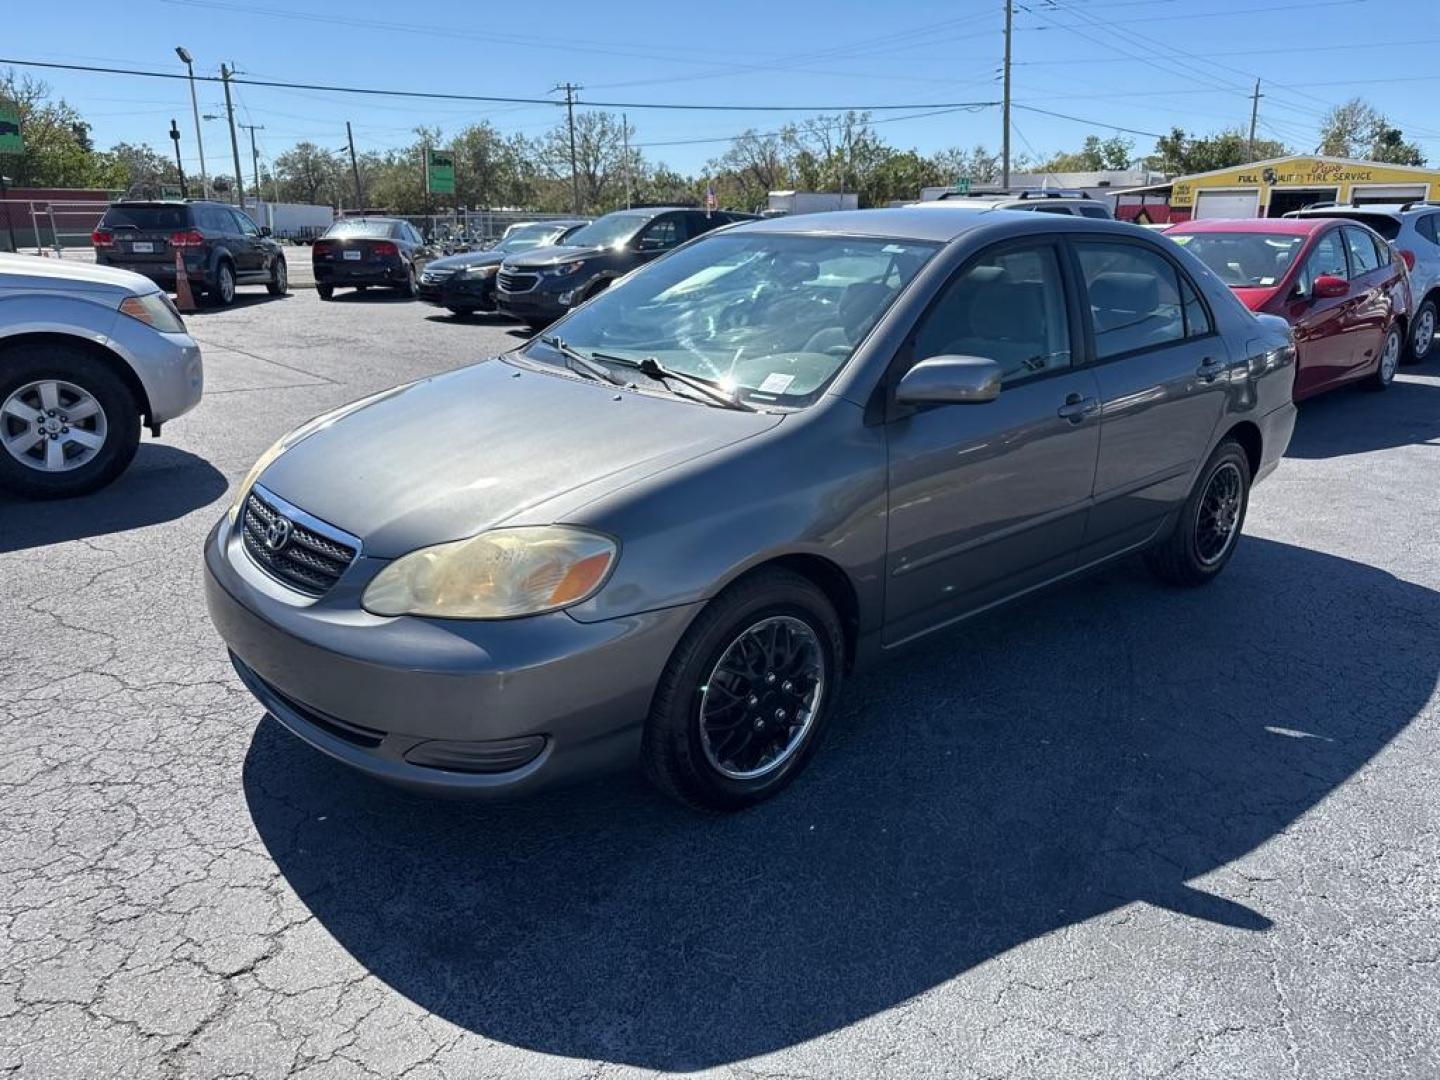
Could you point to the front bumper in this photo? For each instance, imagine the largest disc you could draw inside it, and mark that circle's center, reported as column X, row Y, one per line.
column 532, row 306
column 460, row 291
column 168, row 365
column 378, row 693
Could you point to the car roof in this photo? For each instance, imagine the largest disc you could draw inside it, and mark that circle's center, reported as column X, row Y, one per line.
column 1394, row 210
column 369, row 217
column 919, row 223
column 1286, row 226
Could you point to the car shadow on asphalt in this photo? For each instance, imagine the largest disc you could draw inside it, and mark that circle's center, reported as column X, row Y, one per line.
column 1354, row 420
column 163, row 483
column 242, row 300
column 375, row 294
column 1104, row 745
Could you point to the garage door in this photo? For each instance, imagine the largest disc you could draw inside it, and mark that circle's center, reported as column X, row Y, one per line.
column 1227, row 204
column 1361, row 194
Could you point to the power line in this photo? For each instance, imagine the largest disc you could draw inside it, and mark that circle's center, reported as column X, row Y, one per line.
column 1093, row 123
column 436, row 95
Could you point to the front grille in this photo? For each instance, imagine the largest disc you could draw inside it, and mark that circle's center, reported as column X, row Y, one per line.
column 434, row 277
column 513, row 282
column 304, row 558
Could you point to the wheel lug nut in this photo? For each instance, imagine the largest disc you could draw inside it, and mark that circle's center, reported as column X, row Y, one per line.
column 779, row 714
column 787, row 686
column 769, row 677
column 752, row 700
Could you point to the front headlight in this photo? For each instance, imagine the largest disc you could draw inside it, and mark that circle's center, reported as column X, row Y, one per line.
column 499, row 574
column 278, row 447
column 155, row 310
column 480, row 271
column 564, row 269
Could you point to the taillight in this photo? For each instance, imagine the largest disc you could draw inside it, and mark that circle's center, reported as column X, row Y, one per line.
column 101, row 238
column 384, row 249
column 322, row 247
column 1409, row 257
column 186, row 239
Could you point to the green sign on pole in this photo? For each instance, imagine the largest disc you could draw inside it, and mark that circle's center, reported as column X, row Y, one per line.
column 440, row 172
column 962, row 186
column 10, row 140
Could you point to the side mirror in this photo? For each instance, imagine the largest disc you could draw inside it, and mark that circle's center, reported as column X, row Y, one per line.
column 1328, row 287
column 968, row 379
column 264, row 230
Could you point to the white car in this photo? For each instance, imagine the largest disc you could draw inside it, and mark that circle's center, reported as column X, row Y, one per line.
column 1413, row 229
column 87, row 354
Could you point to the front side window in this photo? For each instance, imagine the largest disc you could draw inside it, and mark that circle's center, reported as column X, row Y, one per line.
column 771, row 317
column 245, row 225
column 1008, row 307
column 661, row 235
column 1362, row 252
column 1134, row 296
column 1327, row 260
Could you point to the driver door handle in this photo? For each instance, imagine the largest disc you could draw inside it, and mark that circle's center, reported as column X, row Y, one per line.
column 1077, row 407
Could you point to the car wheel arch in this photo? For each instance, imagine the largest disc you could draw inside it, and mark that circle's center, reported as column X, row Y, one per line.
column 101, row 352
column 1247, row 434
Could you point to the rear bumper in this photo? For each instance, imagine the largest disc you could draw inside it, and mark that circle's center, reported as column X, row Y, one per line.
column 546, row 699
column 163, row 273
column 1276, row 429
column 339, row 273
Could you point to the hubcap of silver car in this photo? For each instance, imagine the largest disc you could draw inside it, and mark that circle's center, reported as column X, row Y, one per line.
column 1219, row 518
column 762, row 698
column 1424, row 332
column 52, row 426
column 1390, row 358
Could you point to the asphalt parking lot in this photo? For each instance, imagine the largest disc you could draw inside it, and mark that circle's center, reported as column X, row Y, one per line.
column 1116, row 831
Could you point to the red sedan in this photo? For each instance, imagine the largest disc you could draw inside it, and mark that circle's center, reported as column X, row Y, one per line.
column 1338, row 283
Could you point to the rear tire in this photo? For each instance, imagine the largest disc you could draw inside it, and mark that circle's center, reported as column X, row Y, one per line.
column 222, row 293
column 461, row 312
column 1422, row 333
column 24, row 370
column 1208, row 530
column 1390, row 353
column 782, row 630
column 326, row 292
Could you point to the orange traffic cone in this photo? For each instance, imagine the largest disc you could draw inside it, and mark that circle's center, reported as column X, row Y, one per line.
column 184, row 298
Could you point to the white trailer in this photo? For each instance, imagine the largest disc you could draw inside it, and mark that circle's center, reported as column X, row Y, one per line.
column 291, row 221
column 782, row 203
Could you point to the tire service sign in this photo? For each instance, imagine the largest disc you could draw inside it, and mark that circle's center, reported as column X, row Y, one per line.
column 439, row 172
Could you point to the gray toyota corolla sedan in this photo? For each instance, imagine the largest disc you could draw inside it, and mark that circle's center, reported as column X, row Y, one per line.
column 670, row 528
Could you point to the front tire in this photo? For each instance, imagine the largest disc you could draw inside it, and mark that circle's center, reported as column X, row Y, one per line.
column 1205, row 535
column 1422, row 332
column 745, row 697
column 1389, row 364
column 279, row 283
column 223, row 291
column 68, row 423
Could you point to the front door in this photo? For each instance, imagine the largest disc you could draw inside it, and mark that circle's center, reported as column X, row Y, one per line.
column 988, row 500
column 1369, row 316
column 248, row 246
column 1163, row 374
column 1323, row 348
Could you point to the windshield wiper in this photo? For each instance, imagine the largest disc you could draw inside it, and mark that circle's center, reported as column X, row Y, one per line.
column 577, row 361
column 651, row 368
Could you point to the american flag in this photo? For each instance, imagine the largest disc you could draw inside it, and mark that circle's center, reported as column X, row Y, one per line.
column 711, row 203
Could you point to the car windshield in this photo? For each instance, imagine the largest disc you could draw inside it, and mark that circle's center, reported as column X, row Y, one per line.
column 1243, row 260
column 147, row 218
column 608, row 231
column 372, row 229
column 529, row 236
column 769, row 317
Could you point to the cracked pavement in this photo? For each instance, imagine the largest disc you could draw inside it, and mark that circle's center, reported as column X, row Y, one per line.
column 1115, row 831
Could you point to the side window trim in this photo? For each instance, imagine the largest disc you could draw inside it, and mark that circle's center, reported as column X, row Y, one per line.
column 1082, row 298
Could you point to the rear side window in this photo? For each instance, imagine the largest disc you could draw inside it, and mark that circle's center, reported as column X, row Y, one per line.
column 1427, row 227
column 1134, row 296
column 1363, row 258
column 1086, row 210
column 1384, row 224
column 147, row 218
column 215, row 219
column 1050, row 209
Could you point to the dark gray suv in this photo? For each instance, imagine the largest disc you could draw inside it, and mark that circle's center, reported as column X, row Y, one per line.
column 221, row 246
column 669, row 530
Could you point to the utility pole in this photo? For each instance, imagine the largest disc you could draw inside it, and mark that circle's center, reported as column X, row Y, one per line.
column 254, row 159
column 574, row 168
column 179, row 165
column 1005, row 109
column 188, row 61
column 1254, row 117
column 225, row 74
column 355, row 169
column 625, row 135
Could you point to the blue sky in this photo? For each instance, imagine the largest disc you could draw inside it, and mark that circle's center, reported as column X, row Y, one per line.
column 1141, row 64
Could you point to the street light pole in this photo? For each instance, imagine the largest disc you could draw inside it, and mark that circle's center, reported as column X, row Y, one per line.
column 179, row 165
column 185, row 57
column 225, row 74
column 254, row 158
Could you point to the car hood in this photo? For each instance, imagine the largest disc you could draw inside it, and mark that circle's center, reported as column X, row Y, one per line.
column 1255, row 299
column 556, row 253
column 453, row 455
column 464, row 259
column 30, row 271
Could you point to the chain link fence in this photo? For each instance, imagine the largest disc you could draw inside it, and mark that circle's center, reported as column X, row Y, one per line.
column 478, row 226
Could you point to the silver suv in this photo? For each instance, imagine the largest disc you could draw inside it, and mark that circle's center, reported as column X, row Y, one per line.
column 87, row 353
column 1413, row 229
column 1075, row 203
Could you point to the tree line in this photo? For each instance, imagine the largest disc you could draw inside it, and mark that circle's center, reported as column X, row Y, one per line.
column 841, row 152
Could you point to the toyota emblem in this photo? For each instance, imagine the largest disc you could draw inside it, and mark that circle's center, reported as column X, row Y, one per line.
column 277, row 534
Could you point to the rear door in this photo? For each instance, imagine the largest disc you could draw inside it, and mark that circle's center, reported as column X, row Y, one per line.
column 1163, row 374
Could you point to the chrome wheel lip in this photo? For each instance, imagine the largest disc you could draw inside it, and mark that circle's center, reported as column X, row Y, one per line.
column 816, row 698
column 63, row 418
column 1424, row 336
column 1390, row 358
column 1228, row 506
